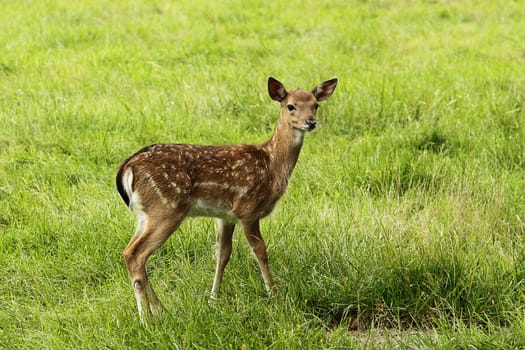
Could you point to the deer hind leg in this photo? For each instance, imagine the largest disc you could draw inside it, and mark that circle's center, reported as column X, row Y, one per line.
column 152, row 232
column 223, row 250
column 256, row 242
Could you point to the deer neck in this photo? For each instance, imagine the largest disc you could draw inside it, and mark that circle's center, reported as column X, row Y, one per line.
column 283, row 148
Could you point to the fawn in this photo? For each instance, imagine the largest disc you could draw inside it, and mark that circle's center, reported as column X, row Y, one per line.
column 237, row 184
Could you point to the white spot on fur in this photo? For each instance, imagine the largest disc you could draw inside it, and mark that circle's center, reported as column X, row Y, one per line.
column 225, row 186
column 238, row 163
column 153, row 184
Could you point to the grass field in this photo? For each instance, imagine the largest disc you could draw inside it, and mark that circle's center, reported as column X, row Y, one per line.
column 403, row 226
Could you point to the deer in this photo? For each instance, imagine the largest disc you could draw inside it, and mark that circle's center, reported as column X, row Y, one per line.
column 236, row 184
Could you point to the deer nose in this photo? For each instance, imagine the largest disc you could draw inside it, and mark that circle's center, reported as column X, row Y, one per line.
column 311, row 123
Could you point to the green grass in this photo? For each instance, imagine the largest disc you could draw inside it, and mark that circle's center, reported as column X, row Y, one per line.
column 403, row 225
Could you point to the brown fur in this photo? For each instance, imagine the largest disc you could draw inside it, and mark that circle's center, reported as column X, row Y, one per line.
column 164, row 183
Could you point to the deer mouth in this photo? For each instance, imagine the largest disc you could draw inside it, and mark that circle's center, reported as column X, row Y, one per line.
column 309, row 125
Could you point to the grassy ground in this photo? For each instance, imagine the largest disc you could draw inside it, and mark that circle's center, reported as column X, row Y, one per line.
column 403, row 225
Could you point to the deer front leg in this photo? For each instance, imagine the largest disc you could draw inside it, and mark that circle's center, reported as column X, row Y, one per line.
column 256, row 242
column 223, row 252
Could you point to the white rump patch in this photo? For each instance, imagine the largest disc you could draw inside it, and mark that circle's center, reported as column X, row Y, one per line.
column 127, row 183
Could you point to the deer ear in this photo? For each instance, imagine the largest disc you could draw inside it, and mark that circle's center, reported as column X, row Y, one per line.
column 325, row 90
column 276, row 90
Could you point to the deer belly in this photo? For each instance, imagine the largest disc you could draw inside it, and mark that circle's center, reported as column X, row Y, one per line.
column 203, row 207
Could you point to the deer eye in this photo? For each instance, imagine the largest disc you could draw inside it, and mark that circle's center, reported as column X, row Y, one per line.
column 290, row 107
column 316, row 106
